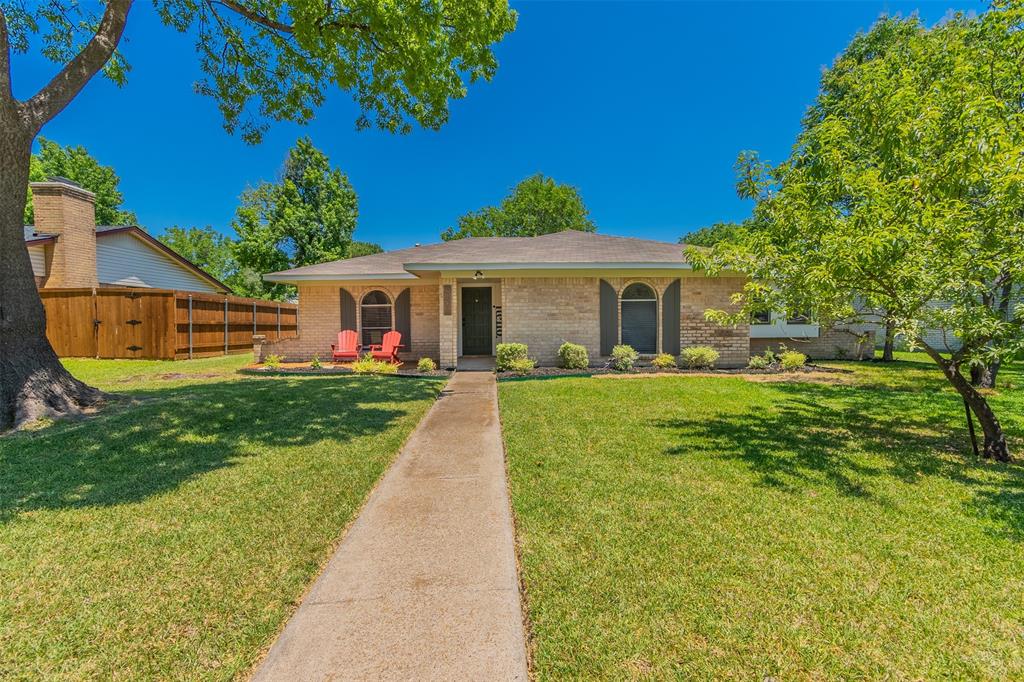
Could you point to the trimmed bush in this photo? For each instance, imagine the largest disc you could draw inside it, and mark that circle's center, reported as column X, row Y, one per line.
column 367, row 365
column 505, row 353
column 273, row 361
column 520, row 365
column 573, row 356
column 624, row 357
column 664, row 361
column 759, row 362
column 426, row 365
column 792, row 360
column 699, row 357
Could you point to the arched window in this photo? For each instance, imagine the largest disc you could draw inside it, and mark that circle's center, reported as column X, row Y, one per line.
column 375, row 312
column 640, row 318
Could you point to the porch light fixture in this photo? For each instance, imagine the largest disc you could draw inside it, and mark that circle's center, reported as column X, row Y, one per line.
column 478, row 275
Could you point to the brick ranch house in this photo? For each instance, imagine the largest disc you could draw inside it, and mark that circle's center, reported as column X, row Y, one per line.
column 461, row 298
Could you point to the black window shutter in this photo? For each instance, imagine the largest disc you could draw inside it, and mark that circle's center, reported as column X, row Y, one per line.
column 403, row 318
column 670, row 319
column 348, row 311
column 609, row 318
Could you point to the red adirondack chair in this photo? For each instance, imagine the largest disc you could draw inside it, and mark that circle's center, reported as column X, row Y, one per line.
column 347, row 347
column 388, row 350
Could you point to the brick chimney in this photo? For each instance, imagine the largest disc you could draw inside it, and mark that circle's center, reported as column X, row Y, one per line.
column 64, row 208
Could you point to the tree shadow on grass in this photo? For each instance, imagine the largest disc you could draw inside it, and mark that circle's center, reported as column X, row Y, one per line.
column 130, row 452
column 843, row 437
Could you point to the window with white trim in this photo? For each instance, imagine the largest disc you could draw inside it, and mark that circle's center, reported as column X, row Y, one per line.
column 639, row 319
column 376, row 317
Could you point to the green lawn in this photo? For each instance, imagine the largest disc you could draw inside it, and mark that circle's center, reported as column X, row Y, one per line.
column 713, row 528
column 170, row 536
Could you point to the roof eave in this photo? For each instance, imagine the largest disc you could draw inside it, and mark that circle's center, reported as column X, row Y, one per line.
column 436, row 267
column 291, row 278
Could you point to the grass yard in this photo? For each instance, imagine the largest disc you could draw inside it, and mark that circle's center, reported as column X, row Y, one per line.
column 714, row 528
column 170, row 537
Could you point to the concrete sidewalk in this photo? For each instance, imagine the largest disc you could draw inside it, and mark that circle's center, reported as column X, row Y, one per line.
column 424, row 584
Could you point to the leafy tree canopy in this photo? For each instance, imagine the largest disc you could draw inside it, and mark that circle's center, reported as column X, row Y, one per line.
column 307, row 216
column 204, row 246
column 75, row 163
column 712, row 234
column 537, row 205
column 903, row 188
column 273, row 60
column 357, row 249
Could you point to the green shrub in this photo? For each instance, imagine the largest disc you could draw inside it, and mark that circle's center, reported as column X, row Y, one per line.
column 520, row 365
column 624, row 357
column 426, row 365
column 367, row 365
column 273, row 361
column 573, row 356
column 791, row 360
column 315, row 362
column 508, row 352
column 759, row 362
column 699, row 357
column 770, row 355
column 664, row 361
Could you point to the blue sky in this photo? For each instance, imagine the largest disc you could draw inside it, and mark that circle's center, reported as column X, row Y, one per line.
column 643, row 106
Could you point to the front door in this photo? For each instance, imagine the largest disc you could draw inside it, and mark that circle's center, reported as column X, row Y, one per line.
column 476, row 321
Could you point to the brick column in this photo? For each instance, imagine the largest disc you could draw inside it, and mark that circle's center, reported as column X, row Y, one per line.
column 448, row 330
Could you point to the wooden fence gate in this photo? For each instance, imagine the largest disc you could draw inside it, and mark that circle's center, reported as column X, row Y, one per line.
column 159, row 323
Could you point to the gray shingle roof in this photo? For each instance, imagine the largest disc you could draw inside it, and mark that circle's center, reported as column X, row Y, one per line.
column 571, row 249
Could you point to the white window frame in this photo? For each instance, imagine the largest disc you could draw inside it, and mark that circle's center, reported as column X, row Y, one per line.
column 390, row 305
column 780, row 327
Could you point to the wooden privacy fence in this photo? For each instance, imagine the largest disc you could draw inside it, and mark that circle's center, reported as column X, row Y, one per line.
column 160, row 323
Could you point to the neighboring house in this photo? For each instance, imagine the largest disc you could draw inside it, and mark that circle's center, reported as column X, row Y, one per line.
column 116, row 292
column 461, row 298
column 68, row 250
column 940, row 339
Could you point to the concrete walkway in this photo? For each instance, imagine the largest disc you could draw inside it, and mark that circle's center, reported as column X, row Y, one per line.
column 424, row 585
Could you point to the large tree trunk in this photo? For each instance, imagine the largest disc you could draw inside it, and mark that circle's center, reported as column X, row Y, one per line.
column 890, row 339
column 995, row 440
column 33, row 383
column 984, row 376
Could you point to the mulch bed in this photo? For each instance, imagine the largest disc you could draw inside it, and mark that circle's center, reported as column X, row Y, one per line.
column 306, row 370
column 647, row 369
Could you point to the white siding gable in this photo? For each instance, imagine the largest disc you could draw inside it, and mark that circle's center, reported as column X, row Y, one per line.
column 38, row 256
column 125, row 260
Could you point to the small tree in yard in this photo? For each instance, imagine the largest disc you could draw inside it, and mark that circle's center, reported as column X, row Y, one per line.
column 264, row 60
column 307, row 216
column 904, row 188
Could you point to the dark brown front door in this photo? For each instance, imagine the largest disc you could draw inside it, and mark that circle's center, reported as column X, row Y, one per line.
column 476, row 321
